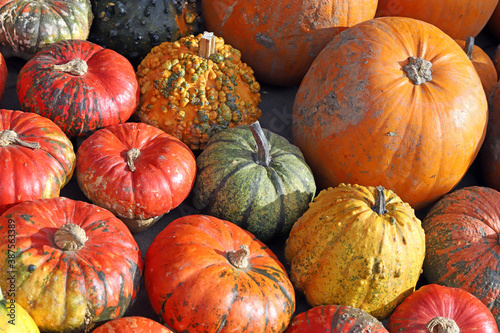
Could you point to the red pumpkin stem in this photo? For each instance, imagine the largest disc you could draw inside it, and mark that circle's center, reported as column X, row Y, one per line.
column 469, row 46
column 70, row 237
column 207, row 45
column 263, row 156
column 239, row 259
column 418, row 70
column 8, row 137
column 379, row 206
column 132, row 155
column 76, row 67
column 443, row 325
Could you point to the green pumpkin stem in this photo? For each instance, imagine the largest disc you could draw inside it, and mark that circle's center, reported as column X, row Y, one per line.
column 418, row 70
column 469, row 46
column 443, row 325
column 70, row 237
column 132, row 155
column 207, row 45
column 379, row 206
column 8, row 137
column 263, row 156
column 239, row 259
column 77, row 67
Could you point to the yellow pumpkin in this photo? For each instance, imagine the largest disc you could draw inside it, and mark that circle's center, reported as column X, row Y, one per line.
column 357, row 246
column 13, row 318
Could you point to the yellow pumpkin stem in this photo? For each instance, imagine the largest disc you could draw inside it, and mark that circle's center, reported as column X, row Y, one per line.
column 70, row 237
column 443, row 325
column 8, row 137
column 75, row 67
column 239, row 259
column 469, row 46
column 207, row 45
column 379, row 206
column 263, row 157
column 132, row 155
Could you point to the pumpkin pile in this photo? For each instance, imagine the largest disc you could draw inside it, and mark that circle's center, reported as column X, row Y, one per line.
column 249, row 166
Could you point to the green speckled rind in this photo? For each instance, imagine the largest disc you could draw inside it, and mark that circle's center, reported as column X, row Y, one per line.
column 232, row 186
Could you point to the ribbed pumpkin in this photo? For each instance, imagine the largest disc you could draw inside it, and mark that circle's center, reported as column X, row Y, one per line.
column 462, row 248
column 254, row 178
column 207, row 275
column 133, row 27
column 193, row 96
column 489, row 156
column 280, row 39
column 482, row 63
column 334, row 319
column 136, row 171
column 75, row 264
column 13, row 318
column 394, row 102
column 131, row 324
column 457, row 18
column 357, row 246
column 28, row 26
column 79, row 85
column 36, row 158
column 3, row 74
column 444, row 308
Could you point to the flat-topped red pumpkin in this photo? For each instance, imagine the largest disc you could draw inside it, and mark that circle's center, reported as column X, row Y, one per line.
column 36, row 158
column 135, row 170
column 79, row 85
column 135, row 324
column 76, row 264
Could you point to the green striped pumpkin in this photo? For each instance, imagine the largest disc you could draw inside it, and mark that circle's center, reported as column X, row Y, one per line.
column 254, row 178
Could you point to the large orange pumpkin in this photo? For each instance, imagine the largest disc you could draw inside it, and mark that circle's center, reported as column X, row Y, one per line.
column 394, row 102
column 457, row 18
column 280, row 39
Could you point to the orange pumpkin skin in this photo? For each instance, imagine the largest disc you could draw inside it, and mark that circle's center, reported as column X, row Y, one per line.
column 68, row 289
column 484, row 66
column 195, row 286
column 134, row 324
column 457, row 18
column 280, row 39
column 374, row 126
column 490, row 154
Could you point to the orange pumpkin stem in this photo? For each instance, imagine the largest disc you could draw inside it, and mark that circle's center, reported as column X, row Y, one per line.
column 70, row 237
column 207, row 45
column 418, row 70
column 379, row 206
column 469, row 46
column 263, row 157
column 75, row 67
column 132, row 155
column 239, row 259
column 443, row 325
column 8, row 137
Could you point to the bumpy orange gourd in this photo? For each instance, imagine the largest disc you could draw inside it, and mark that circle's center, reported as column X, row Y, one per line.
column 482, row 63
column 457, row 18
column 394, row 102
column 357, row 246
column 192, row 97
column 280, row 39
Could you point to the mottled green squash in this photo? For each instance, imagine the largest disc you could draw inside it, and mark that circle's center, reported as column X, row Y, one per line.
column 255, row 179
column 133, row 27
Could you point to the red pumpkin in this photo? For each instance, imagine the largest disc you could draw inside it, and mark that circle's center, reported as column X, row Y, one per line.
column 74, row 264
column 457, row 18
column 439, row 306
column 335, row 319
column 280, row 39
column 136, row 171
column 394, row 102
column 79, row 85
column 133, row 324
column 3, row 74
column 36, row 158
column 462, row 248
column 208, row 275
